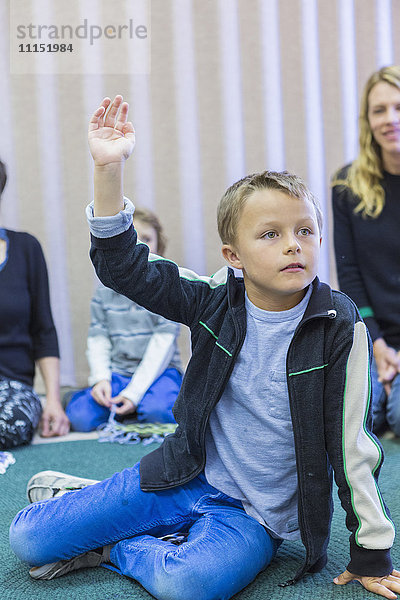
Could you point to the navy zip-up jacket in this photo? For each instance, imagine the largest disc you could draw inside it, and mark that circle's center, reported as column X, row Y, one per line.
column 329, row 392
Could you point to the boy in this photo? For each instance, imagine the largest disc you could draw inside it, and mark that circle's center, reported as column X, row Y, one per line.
column 275, row 395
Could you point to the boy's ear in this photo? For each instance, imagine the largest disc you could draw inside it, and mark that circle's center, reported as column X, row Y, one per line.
column 231, row 256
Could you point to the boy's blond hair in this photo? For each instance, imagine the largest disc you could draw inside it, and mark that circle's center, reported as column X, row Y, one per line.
column 235, row 197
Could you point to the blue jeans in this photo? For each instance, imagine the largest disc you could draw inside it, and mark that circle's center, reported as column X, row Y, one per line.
column 224, row 552
column 385, row 409
column 85, row 414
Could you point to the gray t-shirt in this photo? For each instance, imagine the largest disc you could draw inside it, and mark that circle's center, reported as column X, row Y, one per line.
column 249, row 439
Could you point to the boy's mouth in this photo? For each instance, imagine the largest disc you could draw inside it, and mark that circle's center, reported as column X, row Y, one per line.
column 294, row 267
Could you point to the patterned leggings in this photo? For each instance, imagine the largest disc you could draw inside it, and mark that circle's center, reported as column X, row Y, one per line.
column 20, row 411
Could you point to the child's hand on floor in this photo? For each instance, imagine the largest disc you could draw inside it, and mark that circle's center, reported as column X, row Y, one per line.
column 111, row 136
column 383, row 586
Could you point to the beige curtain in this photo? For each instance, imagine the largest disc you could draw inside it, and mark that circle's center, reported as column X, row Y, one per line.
column 233, row 86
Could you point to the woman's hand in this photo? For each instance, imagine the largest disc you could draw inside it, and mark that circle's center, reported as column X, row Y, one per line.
column 387, row 362
column 111, row 136
column 54, row 421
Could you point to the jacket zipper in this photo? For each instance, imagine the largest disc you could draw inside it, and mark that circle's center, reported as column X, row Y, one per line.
column 327, row 315
column 228, row 374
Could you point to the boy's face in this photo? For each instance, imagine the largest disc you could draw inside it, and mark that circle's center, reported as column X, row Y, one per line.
column 277, row 247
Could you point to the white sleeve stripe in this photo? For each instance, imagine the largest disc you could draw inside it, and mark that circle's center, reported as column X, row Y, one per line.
column 361, row 454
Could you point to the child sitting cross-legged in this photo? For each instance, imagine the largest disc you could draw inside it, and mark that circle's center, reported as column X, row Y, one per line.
column 132, row 353
column 275, row 398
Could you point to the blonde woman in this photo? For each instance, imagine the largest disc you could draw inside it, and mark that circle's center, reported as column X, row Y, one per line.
column 366, row 208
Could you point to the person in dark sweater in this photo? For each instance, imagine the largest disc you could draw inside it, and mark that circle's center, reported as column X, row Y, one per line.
column 27, row 337
column 366, row 209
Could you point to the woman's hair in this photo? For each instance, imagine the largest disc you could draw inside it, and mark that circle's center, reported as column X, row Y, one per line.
column 3, row 176
column 235, row 197
column 365, row 174
column 146, row 216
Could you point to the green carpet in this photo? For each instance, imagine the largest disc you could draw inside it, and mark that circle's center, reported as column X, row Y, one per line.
column 94, row 460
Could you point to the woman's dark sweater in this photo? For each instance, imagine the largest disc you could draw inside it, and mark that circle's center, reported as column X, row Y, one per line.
column 27, row 331
column 368, row 257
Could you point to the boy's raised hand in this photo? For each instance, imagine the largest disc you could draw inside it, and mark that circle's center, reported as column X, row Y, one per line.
column 111, row 136
column 383, row 586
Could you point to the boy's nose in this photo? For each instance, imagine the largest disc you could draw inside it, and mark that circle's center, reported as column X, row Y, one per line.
column 293, row 246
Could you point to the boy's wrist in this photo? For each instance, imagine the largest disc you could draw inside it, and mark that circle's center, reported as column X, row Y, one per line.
column 107, row 168
column 109, row 226
column 108, row 189
column 369, row 563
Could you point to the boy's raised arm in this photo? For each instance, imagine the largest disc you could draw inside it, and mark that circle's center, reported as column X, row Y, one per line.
column 111, row 141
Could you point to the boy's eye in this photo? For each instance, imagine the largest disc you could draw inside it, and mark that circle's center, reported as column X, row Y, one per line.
column 305, row 231
column 270, row 235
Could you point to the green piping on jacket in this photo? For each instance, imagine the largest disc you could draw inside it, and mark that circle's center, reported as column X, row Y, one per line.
column 216, row 338
column 308, row 370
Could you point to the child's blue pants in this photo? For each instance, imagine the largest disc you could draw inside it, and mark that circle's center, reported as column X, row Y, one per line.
column 225, row 549
column 85, row 414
